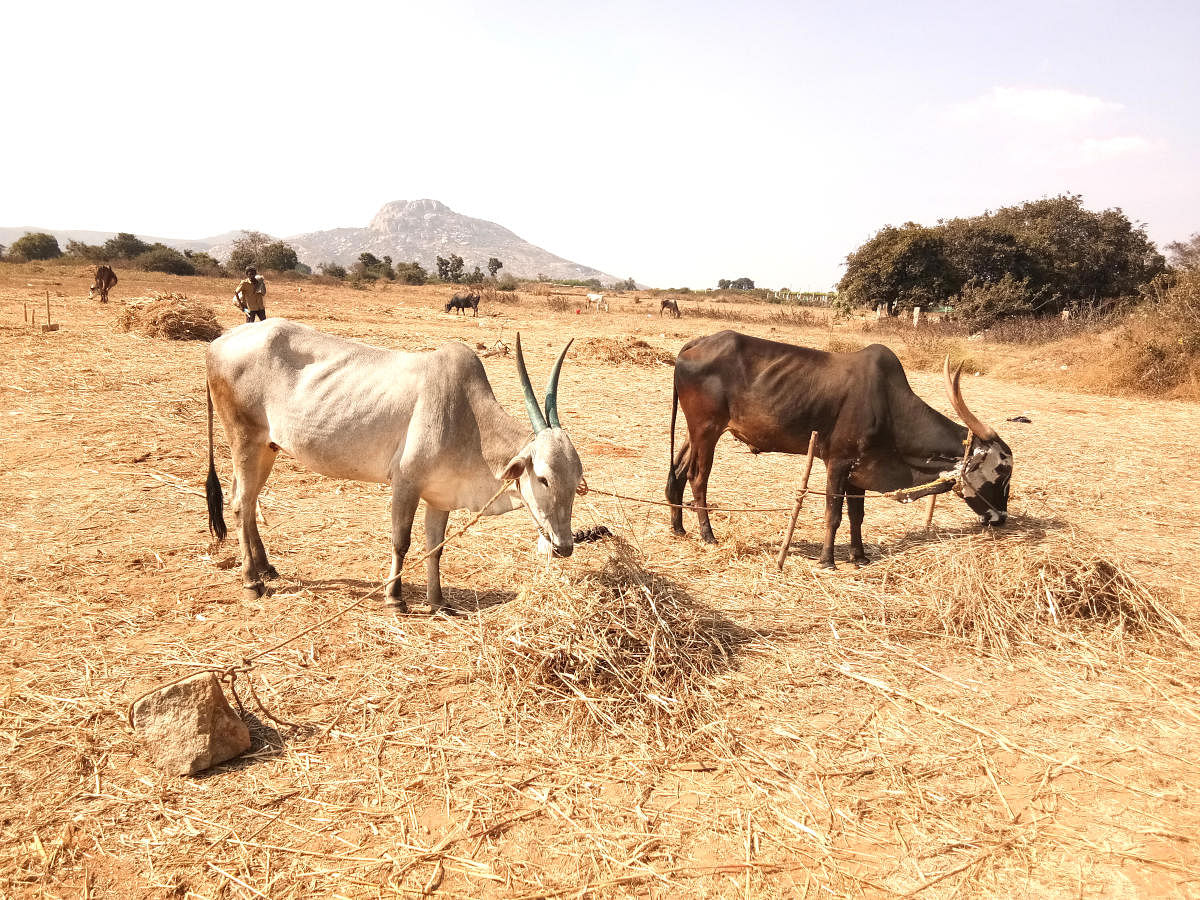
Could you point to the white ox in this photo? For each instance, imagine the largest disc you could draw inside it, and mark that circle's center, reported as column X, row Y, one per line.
column 428, row 424
column 598, row 301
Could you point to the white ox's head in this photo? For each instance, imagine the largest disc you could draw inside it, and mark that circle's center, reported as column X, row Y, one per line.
column 547, row 471
column 986, row 472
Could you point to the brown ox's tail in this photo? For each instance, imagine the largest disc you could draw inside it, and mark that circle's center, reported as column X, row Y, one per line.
column 674, row 409
column 212, row 487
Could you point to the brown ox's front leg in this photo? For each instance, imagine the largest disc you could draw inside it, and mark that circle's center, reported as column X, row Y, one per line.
column 856, row 506
column 836, row 478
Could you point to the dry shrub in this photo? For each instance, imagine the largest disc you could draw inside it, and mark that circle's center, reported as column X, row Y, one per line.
column 561, row 302
column 626, row 349
column 836, row 344
column 170, row 316
column 1002, row 592
column 795, row 315
column 1157, row 351
column 620, row 651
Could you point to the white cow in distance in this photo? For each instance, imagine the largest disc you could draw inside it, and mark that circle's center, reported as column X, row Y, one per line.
column 597, row 301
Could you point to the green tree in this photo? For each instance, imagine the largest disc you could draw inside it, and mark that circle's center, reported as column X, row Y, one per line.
column 205, row 263
column 411, row 273
column 723, row 284
column 125, row 246
column 454, row 271
column 246, row 249
column 627, row 285
column 89, row 252
column 742, row 284
column 278, row 256
column 443, row 268
column 333, row 270
column 161, row 258
column 494, row 265
column 36, row 245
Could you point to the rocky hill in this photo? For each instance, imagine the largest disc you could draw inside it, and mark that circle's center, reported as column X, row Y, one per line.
column 405, row 230
column 422, row 230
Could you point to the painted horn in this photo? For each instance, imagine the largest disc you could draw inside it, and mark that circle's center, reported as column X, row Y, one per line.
column 536, row 419
column 552, row 387
column 954, row 391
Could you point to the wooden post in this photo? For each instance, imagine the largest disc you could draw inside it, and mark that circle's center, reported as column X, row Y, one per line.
column 916, row 316
column 929, row 514
column 787, row 537
column 25, row 309
column 47, row 307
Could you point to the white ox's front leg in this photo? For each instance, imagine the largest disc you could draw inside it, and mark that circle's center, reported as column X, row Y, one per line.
column 404, row 507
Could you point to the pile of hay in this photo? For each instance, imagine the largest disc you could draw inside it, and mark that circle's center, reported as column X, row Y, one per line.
column 623, row 350
column 621, row 651
column 1002, row 592
column 172, row 316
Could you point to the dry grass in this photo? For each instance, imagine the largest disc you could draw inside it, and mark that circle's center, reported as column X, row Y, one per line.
column 621, row 350
column 840, row 735
column 170, row 316
column 622, row 649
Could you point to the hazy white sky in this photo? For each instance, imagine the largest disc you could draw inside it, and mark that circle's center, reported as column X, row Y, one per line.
column 675, row 142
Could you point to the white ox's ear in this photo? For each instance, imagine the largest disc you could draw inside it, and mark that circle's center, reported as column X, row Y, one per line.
column 516, row 466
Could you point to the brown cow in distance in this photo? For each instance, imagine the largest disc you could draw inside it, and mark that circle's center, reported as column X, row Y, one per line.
column 671, row 306
column 106, row 280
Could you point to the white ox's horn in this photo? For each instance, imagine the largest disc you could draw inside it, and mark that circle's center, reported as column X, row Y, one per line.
column 536, row 418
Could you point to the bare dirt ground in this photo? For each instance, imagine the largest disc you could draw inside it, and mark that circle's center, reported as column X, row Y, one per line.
column 852, row 753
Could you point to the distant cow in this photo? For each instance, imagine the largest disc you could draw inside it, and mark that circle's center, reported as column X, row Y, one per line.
column 671, row 306
column 106, row 280
column 463, row 302
column 598, row 301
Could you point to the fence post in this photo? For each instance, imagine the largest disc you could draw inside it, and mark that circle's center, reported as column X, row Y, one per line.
column 791, row 528
column 916, row 316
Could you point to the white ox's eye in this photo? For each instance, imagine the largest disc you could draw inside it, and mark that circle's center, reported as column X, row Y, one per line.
column 543, row 482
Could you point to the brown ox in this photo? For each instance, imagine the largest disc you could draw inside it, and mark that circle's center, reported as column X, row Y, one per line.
column 874, row 433
column 106, row 280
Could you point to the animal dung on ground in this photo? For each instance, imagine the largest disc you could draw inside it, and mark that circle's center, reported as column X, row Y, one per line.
column 173, row 317
column 189, row 726
column 587, row 535
column 627, row 349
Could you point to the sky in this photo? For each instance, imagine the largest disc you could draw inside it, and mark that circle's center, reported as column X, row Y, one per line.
column 677, row 143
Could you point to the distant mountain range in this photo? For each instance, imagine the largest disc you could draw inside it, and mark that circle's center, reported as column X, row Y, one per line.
column 405, row 230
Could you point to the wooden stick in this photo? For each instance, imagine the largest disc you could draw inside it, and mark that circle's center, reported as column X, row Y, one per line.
column 47, row 307
column 929, row 514
column 787, row 537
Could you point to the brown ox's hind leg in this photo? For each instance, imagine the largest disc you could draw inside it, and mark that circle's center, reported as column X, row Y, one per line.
column 676, row 478
column 252, row 462
column 856, row 506
column 704, row 445
column 837, row 475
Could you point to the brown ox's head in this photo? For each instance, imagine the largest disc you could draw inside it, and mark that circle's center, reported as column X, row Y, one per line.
column 987, row 467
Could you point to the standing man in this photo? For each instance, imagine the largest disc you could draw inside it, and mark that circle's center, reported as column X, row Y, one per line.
column 251, row 295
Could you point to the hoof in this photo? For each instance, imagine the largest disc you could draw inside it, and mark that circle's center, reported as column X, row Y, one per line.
column 709, row 538
column 678, row 530
column 395, row 604
column 270, row 573
column 254, row 591
column 826, row 566
column 860, row 561
column 448, row 611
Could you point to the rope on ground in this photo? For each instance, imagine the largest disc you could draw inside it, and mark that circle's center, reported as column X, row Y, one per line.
column 231, row 672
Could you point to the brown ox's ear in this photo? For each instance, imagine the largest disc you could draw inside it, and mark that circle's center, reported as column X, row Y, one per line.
column 516, row 467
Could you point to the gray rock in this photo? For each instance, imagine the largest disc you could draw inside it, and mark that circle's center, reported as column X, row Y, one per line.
column 190, row 726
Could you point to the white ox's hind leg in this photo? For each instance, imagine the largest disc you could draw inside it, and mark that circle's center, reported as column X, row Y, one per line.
column 252, row 462
column 435, row 533
column 404, row 507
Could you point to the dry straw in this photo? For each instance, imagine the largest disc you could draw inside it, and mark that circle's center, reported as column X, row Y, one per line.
column 173, row 317
column 626, row 349
column 622, row 650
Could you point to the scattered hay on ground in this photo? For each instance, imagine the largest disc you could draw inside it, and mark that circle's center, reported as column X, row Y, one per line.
column 626, row 349
column 1004, row 592
column 171, row 316
column 620, row 651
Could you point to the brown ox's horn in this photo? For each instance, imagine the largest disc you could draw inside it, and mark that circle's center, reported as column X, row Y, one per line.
column 552, row 388
column 536, row 419
column 981, row 430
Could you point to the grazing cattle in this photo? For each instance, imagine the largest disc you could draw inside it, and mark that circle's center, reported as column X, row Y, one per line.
column 598, row 301
column 671, row 306
column 874, row 433
column 106, row 280
column 428, row 424
column 463, row 302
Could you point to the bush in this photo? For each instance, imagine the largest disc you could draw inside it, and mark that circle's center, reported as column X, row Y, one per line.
column 204, row 263
column 506, row 283
column 161, row 258
column 332, row 270
column 35, row 245
column 982, row 304
column 263, row 252
column 125, row 246
column 87, row 252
